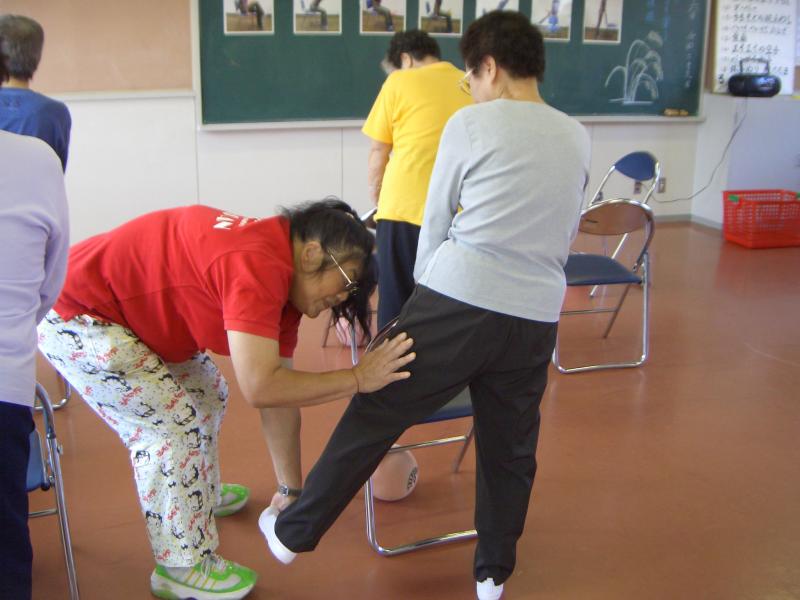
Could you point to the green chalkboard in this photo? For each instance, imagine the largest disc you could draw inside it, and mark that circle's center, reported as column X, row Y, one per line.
column 652, row 67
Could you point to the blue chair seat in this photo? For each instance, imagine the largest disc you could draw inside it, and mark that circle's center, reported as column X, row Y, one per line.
column 36, row 478
column 458, row 407
column 596, row 269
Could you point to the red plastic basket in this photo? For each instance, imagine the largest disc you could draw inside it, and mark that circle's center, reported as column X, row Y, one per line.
column 762, row 218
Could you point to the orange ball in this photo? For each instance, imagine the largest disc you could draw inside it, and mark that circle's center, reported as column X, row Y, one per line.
column 396, row 476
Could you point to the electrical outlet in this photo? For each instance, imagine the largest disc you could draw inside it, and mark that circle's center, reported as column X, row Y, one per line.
column 637, row 187
column 662, row 185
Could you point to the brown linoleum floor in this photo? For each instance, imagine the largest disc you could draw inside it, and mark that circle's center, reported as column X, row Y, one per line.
column 678, row 480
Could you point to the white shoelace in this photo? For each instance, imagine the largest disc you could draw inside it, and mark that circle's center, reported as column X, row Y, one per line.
column 212, row 562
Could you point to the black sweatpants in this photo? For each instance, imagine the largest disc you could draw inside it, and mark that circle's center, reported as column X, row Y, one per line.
column 504, row 361
column 397, row 253
column 16, row 555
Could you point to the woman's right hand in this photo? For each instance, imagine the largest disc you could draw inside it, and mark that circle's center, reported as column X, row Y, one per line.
column 379, row 367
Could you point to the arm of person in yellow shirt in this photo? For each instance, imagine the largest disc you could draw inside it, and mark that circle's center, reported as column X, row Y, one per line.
column 376, row 165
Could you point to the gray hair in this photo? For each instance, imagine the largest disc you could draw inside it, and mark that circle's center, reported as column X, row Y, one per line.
column 21, row 41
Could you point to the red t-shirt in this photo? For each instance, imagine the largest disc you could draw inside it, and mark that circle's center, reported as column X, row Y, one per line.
column 180, row 278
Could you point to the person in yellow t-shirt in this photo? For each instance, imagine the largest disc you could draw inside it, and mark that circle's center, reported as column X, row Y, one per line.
column 405, row 124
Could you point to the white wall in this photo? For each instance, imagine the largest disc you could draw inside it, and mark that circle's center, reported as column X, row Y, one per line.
column 254, row 172
column 767, row 150
column 764, row 153
column 712, row 137
column 128, row 156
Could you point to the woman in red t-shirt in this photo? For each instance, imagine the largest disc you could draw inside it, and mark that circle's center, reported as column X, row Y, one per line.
column 140, row 307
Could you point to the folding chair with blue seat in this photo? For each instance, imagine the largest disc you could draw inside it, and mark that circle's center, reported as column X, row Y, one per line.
column 458, row 408
column 44, row 472
column 612, row 217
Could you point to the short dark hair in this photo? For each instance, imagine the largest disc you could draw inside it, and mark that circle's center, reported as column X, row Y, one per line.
column 22, row 42
column 510, row 38
column 340, row 231
column 414, row 42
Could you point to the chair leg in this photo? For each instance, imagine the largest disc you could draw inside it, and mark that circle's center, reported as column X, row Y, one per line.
column 646, row 308
column 63, row 521
column 645, row 267
column 616, row 311
column 613, row 255
column 353, row 345
column 67, row 393
column 463, row 451
column 325, row 335
column 447, row 538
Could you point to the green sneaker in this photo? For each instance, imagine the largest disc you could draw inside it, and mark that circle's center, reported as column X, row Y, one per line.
column 214, row 578
column 234, row 497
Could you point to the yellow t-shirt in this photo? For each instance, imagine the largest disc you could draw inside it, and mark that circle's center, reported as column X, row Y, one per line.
column 410, row 113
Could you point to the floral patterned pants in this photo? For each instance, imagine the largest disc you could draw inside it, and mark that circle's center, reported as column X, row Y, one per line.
column 168, row 416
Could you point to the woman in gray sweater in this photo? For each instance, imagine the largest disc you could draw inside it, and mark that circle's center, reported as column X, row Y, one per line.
column 484, row 313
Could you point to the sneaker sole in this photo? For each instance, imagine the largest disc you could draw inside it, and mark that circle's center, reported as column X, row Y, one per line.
column 170, row 590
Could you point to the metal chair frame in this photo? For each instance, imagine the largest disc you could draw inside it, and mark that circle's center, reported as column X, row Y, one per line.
column 64, row 399
column 458, row 407
column 612, row 218
column 44, row 472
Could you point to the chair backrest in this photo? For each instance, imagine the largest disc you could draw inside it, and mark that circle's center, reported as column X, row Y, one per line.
column 385, row 332
column 638, row 166
column 641, row 166
column 619, row 216
column 47, row 411
column 368, row 219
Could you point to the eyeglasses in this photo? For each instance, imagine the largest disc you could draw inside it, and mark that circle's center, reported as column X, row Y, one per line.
column 463, row 83
column 351, row 286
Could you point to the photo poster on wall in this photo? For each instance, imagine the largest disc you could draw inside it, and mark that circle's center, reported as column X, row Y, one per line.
column 554, row 19
column 602, row 21
column 248, row 17
column 753, row 35
column 484, row 6
column 381, row 17
column 436, row 19
column 315, row 17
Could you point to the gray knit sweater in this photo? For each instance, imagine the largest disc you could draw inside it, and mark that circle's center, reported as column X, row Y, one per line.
column 518, row 172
